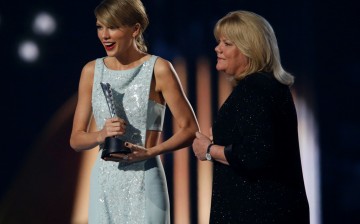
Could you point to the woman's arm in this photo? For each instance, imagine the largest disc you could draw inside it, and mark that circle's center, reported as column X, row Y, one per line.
column 168, row 84
column 252, row 149
column 81, row 138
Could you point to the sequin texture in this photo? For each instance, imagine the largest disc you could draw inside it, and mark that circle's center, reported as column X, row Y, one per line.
column 118, row 191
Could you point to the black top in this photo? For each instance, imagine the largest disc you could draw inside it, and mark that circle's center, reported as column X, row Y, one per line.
column 264, row 181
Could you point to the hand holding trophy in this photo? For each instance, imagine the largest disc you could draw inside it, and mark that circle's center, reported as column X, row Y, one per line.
column 112, row 144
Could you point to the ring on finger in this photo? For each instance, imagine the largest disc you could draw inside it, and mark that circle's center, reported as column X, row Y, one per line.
column 126, row 157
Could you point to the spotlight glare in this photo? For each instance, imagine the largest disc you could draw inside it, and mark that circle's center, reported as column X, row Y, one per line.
column 28, row 51
column 44, row 24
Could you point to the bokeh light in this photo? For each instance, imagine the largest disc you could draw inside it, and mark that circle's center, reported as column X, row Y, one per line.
column 28, row 51
column 44, row 24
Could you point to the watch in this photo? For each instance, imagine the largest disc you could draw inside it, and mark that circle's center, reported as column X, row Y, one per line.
column 207, row 155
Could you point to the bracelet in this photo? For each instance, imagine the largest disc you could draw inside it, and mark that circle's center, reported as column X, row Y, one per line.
column 208, row 148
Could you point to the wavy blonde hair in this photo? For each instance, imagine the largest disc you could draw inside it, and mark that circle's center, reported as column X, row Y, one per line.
column 118, row 13
column 255, row 38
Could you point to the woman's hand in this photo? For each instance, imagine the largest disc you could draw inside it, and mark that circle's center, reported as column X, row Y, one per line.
column 138, row 153
column 113, row 127
column 200, row 144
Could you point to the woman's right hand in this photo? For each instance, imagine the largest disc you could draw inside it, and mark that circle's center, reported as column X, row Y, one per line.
column 113, row 127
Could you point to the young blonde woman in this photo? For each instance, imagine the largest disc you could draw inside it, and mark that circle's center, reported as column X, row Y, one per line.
column 129, row 188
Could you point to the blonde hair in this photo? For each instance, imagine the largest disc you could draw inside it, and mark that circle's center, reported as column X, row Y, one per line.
column 255, row 38
column 118, row 13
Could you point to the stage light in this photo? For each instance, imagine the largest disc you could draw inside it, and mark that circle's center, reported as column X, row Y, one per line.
column 28, row 51
column 44, row 24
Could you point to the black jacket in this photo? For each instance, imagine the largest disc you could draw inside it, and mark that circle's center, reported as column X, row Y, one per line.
column 264, row 182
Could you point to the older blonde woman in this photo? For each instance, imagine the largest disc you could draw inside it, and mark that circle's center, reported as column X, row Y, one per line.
column 255, row 150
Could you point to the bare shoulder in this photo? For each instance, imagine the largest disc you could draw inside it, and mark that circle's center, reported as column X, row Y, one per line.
column 89, row 67
column 163, row 67
column 87, row 74
column 165, row 75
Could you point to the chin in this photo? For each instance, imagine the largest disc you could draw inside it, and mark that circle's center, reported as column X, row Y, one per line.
column 220, row 68
column 110, row 54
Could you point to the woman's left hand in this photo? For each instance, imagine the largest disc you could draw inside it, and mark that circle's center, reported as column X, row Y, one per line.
column 200, row 144
column 138, row 153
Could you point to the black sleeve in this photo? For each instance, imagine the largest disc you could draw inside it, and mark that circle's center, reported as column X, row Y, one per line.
column 253, row 148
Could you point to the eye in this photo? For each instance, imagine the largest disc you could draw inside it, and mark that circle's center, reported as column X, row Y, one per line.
column 98, row 27
column 113, row 27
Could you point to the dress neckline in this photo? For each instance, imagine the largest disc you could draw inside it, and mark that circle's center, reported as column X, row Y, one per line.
column 125, row 70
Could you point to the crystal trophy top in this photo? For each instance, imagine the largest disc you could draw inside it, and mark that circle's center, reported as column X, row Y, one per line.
column 112, row 144
column 106, row 87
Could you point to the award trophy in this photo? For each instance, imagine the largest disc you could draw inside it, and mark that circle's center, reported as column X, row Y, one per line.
column 112, row 144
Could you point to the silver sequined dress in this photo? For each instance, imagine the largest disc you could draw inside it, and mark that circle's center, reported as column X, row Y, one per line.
column 123, row 193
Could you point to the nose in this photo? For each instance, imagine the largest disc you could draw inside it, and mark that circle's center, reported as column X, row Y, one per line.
column 105, row 34
column 217, row 48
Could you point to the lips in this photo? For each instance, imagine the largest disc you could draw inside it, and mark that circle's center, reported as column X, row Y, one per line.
column 109, row 46
column 220, row 58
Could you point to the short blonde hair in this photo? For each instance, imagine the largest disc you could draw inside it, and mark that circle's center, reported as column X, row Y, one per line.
column 255, row 38
column 118, row 13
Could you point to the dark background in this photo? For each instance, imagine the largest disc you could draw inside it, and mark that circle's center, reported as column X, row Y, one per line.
column 318, row 43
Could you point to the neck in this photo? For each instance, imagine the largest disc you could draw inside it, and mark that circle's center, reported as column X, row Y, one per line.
column 127, row 61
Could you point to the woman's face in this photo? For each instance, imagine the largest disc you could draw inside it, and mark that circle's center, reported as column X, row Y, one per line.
column 115, row 40
column 229, row 58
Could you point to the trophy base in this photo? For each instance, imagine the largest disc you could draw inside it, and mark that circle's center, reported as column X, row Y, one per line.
column 114, row 145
